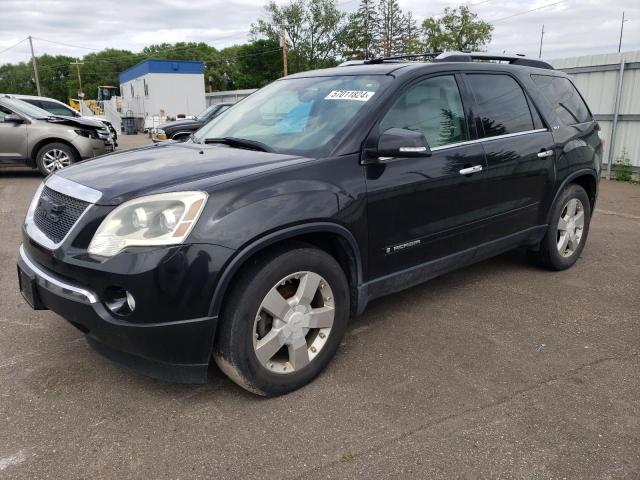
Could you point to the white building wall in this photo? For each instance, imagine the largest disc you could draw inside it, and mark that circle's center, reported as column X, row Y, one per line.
column 168, row 93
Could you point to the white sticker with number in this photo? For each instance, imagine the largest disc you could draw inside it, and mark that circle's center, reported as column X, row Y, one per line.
column 358, row 95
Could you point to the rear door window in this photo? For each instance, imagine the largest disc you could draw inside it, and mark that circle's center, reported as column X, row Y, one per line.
column 501, row 104
column 564, row 99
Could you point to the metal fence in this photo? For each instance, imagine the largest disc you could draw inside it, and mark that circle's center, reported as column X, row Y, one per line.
column 611, row 85
column 229, row 96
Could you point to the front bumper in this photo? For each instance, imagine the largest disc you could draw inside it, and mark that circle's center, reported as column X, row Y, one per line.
column 93, row 147
column 176, row 351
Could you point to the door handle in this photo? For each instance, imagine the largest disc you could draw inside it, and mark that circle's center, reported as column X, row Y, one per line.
column 545, row 153
column 470, row 170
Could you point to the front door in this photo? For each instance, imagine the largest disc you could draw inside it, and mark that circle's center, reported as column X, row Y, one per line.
column 421, row 209
column 13, row 138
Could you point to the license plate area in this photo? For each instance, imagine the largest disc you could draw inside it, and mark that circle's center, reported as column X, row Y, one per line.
column 29, row 290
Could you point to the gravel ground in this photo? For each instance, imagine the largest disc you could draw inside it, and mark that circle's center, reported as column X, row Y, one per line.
column 500, row 370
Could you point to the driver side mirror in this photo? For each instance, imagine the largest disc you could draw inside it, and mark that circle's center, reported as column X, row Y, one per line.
column 13, row 118
column 399, row 142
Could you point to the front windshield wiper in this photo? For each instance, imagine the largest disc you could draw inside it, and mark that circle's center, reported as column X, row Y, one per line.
column 236, row 142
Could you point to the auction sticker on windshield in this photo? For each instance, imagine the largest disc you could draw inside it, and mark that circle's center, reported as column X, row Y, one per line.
column 359, row 95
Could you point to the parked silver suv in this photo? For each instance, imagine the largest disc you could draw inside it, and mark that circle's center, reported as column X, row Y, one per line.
column 56, row 107
column 38, row 139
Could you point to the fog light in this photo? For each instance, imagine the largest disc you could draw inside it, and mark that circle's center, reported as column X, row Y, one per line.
column 119, row 301
column 131, row 302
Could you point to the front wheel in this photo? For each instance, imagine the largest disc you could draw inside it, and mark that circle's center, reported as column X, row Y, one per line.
column 55, row 156
column 567, row 231
column 283, row 321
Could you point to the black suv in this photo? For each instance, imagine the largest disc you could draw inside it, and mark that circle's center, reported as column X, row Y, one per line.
column 254, row 242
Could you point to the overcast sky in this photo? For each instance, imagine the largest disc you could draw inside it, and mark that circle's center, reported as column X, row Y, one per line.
column 573, row 27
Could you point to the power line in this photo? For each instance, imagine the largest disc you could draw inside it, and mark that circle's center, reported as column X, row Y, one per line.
column 527, row 11
column 215, row 39
column 13, row 46
column 65, row 44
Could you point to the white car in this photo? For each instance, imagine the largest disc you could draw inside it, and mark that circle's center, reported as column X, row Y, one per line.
column 57, row 107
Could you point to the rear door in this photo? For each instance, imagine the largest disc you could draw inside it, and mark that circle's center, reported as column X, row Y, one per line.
column 574, row 130
column 519, row 150
column 13, row 138
column 422, row 209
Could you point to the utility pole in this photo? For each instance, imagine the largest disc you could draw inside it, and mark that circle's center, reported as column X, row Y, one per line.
column 621, row 29
column 77, row 63
column 541, row 37
column 35, row 67
column 285, row 59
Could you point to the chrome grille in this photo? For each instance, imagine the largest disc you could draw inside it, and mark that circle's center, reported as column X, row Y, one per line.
column 56, row 213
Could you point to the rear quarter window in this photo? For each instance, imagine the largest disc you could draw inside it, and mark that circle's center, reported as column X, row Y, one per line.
column 564, row 99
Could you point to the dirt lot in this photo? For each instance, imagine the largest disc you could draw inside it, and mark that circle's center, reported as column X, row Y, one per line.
column 500, row 370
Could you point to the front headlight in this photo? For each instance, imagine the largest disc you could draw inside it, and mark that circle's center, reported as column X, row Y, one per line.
column 87, row 133
column 161, row 134
column 163, row 219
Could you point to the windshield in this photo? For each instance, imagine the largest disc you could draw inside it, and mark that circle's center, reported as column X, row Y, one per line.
column 302, row 116
column 27, row 109
column 203, row 115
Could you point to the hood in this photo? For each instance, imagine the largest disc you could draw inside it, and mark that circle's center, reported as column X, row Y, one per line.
column 95, row 118
column 166, row 167
column 77, row 121
column 184, row 122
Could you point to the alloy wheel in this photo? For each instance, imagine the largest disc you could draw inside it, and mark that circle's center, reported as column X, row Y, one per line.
column 570, row 227
column 293, row 322
column 55, row 159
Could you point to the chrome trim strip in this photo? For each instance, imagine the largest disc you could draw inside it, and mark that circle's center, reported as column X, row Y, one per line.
column 55, row 285
column 488, row 139
column 73, row 189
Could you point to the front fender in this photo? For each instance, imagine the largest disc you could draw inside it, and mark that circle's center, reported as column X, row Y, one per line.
column 263, row 242
column 233, row 222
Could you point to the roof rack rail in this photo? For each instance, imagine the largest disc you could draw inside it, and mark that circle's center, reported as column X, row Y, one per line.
column 513, row 59
column 401, row 57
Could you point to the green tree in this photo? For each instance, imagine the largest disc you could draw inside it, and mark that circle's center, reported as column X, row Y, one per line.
column 391, row 27
column 457, row 29
column 257, row 64
column 313, row 29
column 100, row 68
column 361, row 36
column 411, row 35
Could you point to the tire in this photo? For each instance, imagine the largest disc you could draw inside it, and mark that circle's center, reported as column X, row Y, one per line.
column 248, row 332
column 55, row 156
column 559, row 237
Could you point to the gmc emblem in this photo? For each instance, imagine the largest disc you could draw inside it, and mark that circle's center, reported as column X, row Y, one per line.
column 52, row 210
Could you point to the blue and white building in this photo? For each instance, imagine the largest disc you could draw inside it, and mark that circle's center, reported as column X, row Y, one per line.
column 161, row 88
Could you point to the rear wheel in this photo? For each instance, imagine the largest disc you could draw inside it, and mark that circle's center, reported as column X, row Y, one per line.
column 55, row 156
column 283, row 321
column 567, row 231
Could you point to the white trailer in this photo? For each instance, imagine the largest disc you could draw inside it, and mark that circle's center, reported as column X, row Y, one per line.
column 163, row 88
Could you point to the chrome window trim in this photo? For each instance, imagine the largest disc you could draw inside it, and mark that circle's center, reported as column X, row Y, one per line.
column 55, row 285
column 487, row 139
column 73, row 189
